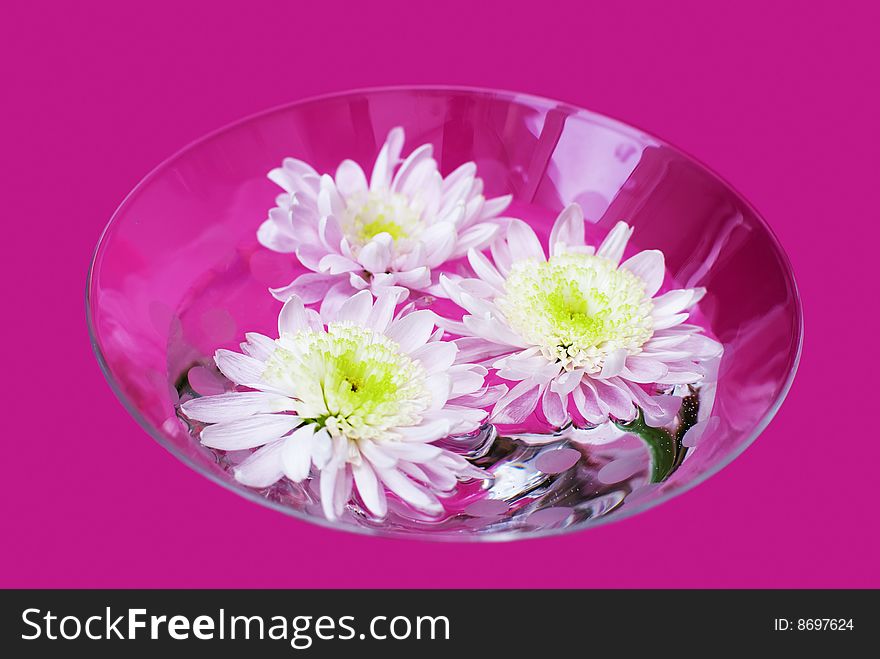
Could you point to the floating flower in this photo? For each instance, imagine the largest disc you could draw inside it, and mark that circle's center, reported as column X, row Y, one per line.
column 578, row 326
column 392, row 231
column 358, row 400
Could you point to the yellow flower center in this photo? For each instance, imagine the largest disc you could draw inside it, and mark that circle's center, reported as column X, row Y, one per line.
column 577, row 308
column 351, row 380
column 378, row 211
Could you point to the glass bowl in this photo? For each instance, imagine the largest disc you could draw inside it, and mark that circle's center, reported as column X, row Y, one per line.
column 178, row 273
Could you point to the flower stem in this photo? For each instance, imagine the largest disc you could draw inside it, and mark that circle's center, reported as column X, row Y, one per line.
column 660, row 443
column 665, row 447
column 690, row 407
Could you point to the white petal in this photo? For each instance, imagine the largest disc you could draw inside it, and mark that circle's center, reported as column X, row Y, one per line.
column 453, row 204
column 415, row 472
column 475, row 349
column 357, row 281
column 702, row 347
column 330, row 234
column 342, row 491
column 341, row 449
column 649, row 266
column 383, row 310
column 296, row 456
column 462, row 420
column 554, row 407
column 350, row 178
column 450, row 286
column 663, row 411
column 413, row 330
column 293, row 317
column 439, row 241
column 314, row 320
column 501, row 256
column 356, row 309
column 276, row 238
column 567, row 382
column 667, row 340
column 439, row 386
column 414, row 451
column 375, row 255
column 336, row 264
column 435, row 357
column 617, row 399
column 407, row 490
column 482, row 398
column 615, row 242
column 474, row 297
column 493, row 330
column 299, row 167
column 311, row 287
column 261, row 468
column 345, row 248
column 414, row 167
column 476, row 237
column 442, row 479
column 614, row 364
column 303, row 185
column 644, row 369
column 239, row 368
column 370, row 490
column 328, row 489
column 495, row 206
column 258, row 346
column 522, row 242
column 330, row 202
column 429, row 431
column 374, row 453
column 460, row 181
column 568, row 230
column 466, row 379
column 681, row 377
column 665, row 322
column 472, row 209
column 414, row 259
column 336, row 295
column 457, row 463
column 249, row 432
column 678, row 330
column 524, row 365
column 673, row 301
column 310, row 255
column 485, row 270
column 587, row 403
column 429, row 194
column 699, row 294
column 322, row 448
column 517, row 404
column 291, row 168
column 235, row 405
column 654, row 407
column 416, row 279
column 387, row 159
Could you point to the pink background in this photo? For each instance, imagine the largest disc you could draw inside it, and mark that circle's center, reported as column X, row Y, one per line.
column 780, row 100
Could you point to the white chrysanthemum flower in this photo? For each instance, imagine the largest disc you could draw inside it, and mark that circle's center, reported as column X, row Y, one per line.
column 358, row 397
column 391, row 231
column 578, row 326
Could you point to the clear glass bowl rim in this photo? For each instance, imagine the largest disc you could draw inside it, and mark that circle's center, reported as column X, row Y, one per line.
column 513, row 97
